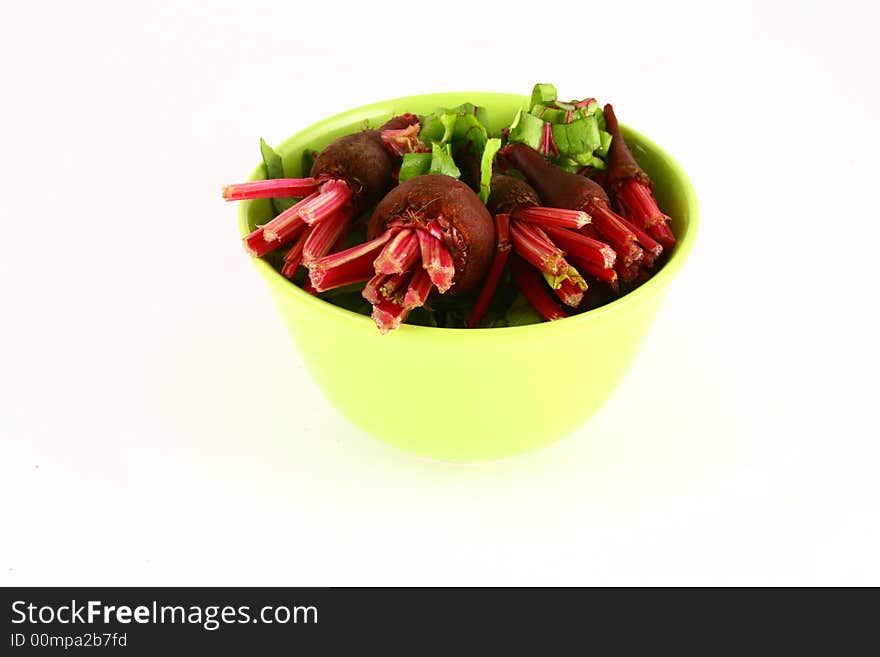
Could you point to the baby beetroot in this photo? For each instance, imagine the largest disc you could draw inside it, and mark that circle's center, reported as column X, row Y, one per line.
column 352, row 172
column 630, row 187
column 568, row 190
column 430, row 231
column 532, row 228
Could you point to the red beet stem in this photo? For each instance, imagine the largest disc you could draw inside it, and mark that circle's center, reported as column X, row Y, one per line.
column 436, row 260
column 293, row 259
column 616, row 232
column 395, row 286
column 531, row 283
column 389, row 315
column 353, row 265
column 605, row 275
column 570, row 293
column 648, row 243
column 545, row 217
column 499, row 260
column 333, row 195
column 279, row 231
column 663, row 234
column 533, row 245
column 418, row 290
column 637, row 204
column 274, row 188
column 404, row 140
column 582, row 247
column 399, row 255
column 324, row 235
column 636, row 198
column 372, row 290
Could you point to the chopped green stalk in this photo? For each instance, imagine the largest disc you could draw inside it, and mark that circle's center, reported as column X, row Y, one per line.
column 489, row 151
column 442, row 162
column 543, row 93
column 527, row 129
column 414, row 164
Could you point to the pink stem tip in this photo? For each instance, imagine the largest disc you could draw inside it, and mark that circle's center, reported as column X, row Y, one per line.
column 332, row 196
column 532, row 286
column 404, row 140
column 399, row 255
column 533, row 245
column 582, row 247
column 353, row 265
column 437, row 261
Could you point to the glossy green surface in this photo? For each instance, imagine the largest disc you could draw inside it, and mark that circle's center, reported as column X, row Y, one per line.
column 478, row 394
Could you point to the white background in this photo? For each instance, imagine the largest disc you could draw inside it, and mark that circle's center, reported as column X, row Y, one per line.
column 158, row 426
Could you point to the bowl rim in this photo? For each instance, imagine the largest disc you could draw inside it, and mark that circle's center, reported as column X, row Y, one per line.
column 574, row 322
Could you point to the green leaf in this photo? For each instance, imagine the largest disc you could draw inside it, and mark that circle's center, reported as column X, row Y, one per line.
column 307, row 161
column 414, row 164
column 521, row 313
column 543, row 93
column 489, row 152
column 604, row 143
column 549, row 114
column 274, row 169
column 577, row 137
column 442, row 162
column 526, row 129
column 482, row 116
column 468, row 128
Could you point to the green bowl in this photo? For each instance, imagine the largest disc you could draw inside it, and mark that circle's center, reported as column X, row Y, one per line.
column 471, row 394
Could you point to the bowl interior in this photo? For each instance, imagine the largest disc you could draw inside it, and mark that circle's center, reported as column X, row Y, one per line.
column 672, row 188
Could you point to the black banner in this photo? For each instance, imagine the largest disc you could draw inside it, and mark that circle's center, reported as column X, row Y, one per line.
column 316, row 621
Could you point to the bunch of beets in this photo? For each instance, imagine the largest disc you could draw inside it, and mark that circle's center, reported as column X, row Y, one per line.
column 578, row 240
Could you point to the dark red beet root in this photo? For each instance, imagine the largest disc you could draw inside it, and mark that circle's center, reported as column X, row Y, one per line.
column 562, row 189
column 447, row 209
column 362, row 162
column 631, row 188
column 350, row 174
column 507, row 193
column 622, row 166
